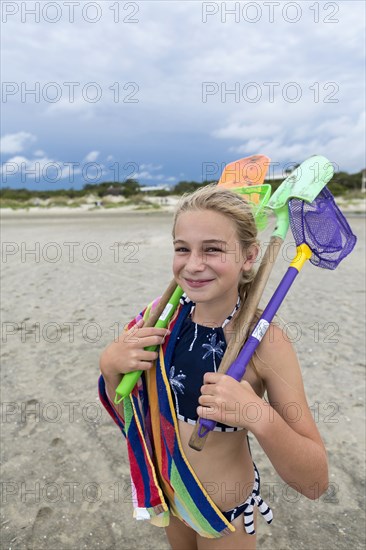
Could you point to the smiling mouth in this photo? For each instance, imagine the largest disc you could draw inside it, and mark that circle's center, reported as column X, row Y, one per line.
column 197, row 283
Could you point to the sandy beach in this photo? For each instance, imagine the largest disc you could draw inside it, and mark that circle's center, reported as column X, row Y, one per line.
column 70, row 281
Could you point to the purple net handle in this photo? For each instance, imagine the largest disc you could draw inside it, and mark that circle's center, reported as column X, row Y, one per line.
column 238, row 367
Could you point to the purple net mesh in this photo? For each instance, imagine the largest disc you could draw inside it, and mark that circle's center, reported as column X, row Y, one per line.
column 323, row 227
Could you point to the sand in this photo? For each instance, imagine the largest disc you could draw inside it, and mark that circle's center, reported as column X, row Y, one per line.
column 65, row 475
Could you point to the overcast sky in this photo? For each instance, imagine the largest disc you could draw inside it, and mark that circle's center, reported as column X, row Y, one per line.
column 166, row 91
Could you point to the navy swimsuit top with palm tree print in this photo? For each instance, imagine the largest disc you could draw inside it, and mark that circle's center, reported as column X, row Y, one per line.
column 198, row 349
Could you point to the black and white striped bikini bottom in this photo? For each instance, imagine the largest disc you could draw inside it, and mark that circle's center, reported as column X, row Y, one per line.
column 247, row 507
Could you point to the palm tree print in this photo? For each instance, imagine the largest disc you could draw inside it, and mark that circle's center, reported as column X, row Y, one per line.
column 176, row 384
column 213, row 348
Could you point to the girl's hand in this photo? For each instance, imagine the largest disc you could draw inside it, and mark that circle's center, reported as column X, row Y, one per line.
column 225, row 400
column 127, row 354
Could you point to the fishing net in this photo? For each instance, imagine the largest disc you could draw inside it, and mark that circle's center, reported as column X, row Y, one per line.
column 322, row 226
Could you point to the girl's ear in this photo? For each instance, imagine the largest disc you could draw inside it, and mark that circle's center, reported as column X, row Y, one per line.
column 250, row 257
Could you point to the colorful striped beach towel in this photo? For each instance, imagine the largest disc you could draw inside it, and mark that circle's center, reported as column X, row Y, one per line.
column 163, row 482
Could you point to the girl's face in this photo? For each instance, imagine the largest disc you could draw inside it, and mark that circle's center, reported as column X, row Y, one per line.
column 208, row 258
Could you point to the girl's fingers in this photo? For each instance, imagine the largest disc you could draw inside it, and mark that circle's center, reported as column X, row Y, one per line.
column 212, row 377
column 145, row 336
column 139, row 341
column 147, row 331
column 144, row 365
column 153, row 331
column 155, row 340
column 205, row 411
column 206, row 400
column 209, row 388
column 140, row 331
column 147, row 355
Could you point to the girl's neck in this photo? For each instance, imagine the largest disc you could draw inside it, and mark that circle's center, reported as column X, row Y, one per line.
column 213, row 314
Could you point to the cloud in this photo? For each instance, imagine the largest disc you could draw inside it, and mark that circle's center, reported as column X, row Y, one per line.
column 38, row 170
column 78, row 107
column 16, row 143
column 331, row 139
column 235, row 130
column 150, row 167
column 144, row 174
column 92, row 156
column 169, row 53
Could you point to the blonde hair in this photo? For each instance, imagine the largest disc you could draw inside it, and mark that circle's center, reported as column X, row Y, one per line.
column 234, row 207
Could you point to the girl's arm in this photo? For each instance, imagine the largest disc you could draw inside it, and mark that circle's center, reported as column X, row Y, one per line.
column 290, row 438
column 284, row 427
column 110, row 388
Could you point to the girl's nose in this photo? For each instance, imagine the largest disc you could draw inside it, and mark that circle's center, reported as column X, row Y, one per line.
column 195, row 263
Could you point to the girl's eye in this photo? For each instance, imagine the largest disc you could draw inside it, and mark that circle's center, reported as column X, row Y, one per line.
column 208, row 250
column 213, row 249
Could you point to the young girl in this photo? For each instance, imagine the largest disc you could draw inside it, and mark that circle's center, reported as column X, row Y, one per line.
column 207, row 499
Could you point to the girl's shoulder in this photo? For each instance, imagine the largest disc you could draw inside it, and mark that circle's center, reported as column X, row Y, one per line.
column 277, row 362
column 276, row 344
